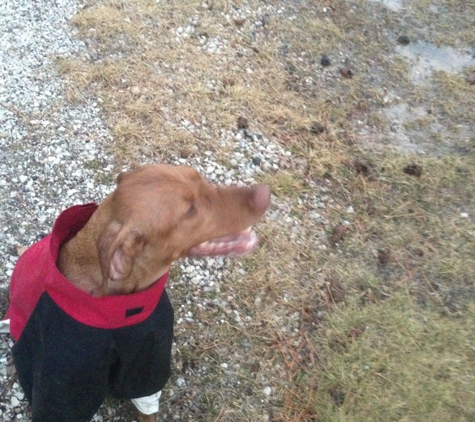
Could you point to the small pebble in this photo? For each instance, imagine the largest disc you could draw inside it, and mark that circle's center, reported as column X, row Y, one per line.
column 317, row 128
column 346, row 72
column 403, row 40
column 239, row 21
column 413, row 170
column 256, row 160
column 242, row 122
column 135, row 90
column 325, row 61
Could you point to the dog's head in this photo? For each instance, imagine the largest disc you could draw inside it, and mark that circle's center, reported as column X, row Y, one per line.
column 159, row 213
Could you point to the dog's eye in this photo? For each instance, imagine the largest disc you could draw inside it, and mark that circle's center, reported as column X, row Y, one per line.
column 191, row 210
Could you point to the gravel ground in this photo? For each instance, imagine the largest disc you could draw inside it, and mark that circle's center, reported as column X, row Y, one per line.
column 45, row 145
column 53, row 155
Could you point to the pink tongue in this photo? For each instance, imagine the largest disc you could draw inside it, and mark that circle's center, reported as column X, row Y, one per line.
column 238, row 244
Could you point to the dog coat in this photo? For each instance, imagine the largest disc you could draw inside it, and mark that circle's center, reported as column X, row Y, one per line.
column 72, row 349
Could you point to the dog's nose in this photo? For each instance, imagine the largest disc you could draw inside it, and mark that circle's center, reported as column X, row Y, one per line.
column 261, row 198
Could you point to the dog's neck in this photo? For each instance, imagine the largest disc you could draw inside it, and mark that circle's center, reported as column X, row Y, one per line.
column 80, row 262
column 78, row 258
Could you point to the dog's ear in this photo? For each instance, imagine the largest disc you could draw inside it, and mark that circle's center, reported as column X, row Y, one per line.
column 119, row 247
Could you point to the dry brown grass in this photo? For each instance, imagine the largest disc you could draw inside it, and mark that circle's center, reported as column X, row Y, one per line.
column 362, row 313
column 149, row 86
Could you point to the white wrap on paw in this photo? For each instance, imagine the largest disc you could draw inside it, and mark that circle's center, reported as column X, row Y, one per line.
column 148, row 405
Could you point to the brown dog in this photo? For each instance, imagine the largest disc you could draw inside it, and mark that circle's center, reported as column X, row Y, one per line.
column 157, row 214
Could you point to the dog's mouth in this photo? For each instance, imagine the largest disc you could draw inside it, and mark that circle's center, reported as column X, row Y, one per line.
column 233, row 245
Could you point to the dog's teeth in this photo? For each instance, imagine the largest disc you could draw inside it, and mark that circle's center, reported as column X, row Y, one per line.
column 236, row 244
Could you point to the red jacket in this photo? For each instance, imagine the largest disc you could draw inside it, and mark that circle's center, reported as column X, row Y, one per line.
column 72, row 349
column 36, row 272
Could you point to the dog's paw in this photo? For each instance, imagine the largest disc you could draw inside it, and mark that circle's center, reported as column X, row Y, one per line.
column 141, row 417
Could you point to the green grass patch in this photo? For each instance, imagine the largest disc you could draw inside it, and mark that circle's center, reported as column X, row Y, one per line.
column 395, row 362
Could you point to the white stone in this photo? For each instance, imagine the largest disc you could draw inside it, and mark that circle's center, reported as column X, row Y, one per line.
column 267, row 391
column 190, row 269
